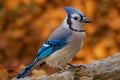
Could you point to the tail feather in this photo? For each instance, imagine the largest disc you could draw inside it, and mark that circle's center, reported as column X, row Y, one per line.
column 26, row 71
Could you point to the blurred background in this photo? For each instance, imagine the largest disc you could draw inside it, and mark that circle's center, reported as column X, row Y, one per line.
column 26, row 24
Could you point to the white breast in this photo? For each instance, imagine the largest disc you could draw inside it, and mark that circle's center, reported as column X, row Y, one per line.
column 66, row 54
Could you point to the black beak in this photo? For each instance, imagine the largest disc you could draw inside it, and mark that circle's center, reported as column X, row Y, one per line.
column 86, row 20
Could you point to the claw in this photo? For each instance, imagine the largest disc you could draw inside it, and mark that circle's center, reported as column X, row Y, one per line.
column 71, row 65
column 76, row 66
column 82, row 66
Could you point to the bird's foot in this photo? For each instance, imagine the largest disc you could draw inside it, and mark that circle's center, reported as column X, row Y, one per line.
column 76, row 66
column 70, row 65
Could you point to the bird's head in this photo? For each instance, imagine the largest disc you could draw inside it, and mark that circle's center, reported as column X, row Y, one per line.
column 75, row 19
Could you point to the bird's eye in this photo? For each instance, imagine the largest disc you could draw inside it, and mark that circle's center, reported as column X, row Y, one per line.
column 75, row 18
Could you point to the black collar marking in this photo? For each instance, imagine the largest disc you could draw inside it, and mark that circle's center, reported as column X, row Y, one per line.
column 70, row 23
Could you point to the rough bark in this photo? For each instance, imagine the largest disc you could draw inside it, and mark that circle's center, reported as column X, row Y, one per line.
column 105, row 69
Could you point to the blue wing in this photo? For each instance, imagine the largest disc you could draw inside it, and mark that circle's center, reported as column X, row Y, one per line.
column 49, row 47
column 57, row 40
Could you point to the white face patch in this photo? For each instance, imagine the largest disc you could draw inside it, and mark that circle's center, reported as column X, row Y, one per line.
column 76, row 22
column 45, row 45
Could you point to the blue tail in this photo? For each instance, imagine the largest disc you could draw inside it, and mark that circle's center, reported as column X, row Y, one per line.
column 26, row 72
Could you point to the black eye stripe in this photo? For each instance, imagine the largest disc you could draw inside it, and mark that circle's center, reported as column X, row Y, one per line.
column 69, row 20
column 81, row 18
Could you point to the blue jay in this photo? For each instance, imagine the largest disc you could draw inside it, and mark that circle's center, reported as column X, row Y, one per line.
column 63, row 44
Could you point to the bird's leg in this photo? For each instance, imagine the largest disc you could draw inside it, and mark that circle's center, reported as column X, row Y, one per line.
column 61, row 67
column 74, row 66
column 42, row 64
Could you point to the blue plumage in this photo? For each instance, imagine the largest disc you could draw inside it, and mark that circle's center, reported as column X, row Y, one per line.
column 60, row 34
column 52, row 45
column 71, row 10
column 26, row 72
